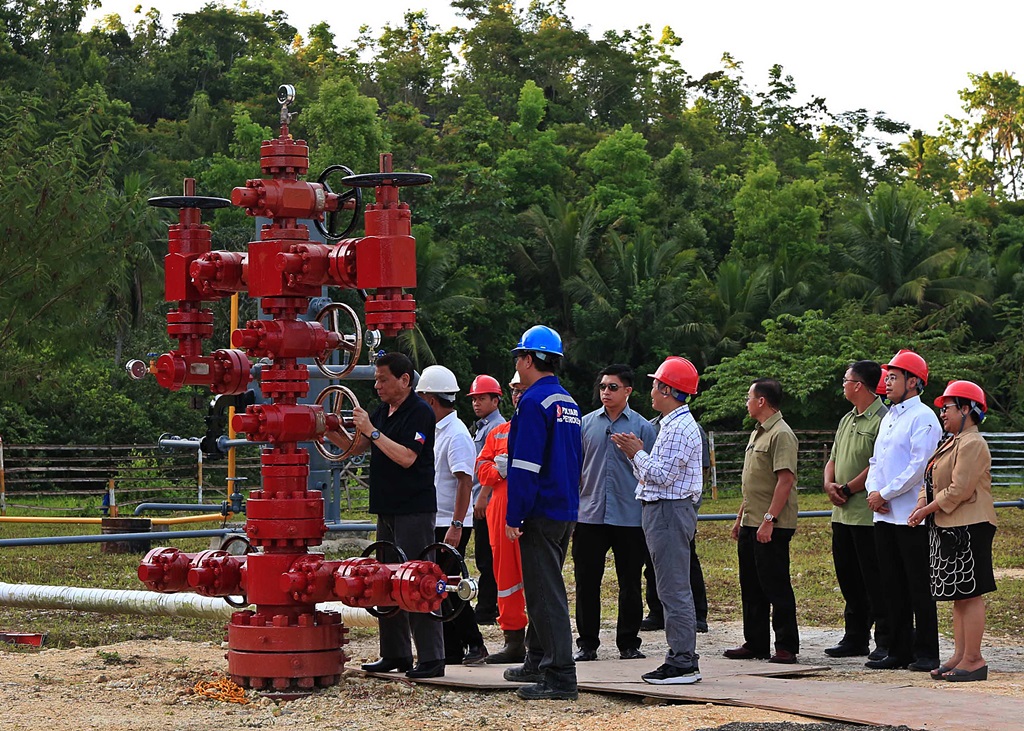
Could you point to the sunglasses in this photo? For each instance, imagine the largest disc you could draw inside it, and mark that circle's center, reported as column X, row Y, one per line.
column 613, row 387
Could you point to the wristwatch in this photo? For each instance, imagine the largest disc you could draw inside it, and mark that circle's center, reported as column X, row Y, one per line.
column 769, row 518
column 456, row 524
column 845, row 489
column 375, row 435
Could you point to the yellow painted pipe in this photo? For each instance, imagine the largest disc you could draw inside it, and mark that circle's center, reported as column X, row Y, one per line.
column 205, row 518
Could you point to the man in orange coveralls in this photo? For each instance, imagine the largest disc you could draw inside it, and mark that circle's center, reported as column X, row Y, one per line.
column 492, row 470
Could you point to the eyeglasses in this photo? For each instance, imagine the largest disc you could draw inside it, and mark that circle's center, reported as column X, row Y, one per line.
column 890, row 377
column 613, row 387
column 942, row 409
column 851, row 380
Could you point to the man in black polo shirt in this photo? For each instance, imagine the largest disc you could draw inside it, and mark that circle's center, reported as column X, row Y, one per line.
column 400, row 433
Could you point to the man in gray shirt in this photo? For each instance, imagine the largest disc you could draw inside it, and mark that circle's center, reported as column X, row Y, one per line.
column 610, row 518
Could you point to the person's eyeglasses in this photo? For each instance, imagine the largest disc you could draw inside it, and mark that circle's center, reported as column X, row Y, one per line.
column 890, row 378
column 851, row 380
column 613, row 387
column 942, row 409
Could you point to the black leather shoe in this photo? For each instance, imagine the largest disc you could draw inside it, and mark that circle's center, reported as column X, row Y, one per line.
column 702, row 627
column 522, row 674
column 631, row 654
column 475, row 655
column 878, row 653
column 886, row 663
column 844, row 650
column 582, row 655
column 744, row 653
column 924, row 664
column 544, row 692
column 387, row 664
column 783, row 657
column 432, row 669
column 652, row 624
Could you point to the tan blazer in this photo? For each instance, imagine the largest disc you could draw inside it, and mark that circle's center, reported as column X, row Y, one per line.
column 962, row 480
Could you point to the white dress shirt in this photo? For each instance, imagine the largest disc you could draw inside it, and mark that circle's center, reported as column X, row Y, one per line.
column 907, row 437
column 453, row 452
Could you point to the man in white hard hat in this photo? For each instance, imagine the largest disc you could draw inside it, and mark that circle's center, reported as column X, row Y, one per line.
column 454, row 460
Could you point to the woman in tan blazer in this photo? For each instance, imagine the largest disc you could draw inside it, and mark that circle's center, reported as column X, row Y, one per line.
column 956, row 502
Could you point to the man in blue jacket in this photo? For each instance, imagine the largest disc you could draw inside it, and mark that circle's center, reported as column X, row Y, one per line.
column 545, row 460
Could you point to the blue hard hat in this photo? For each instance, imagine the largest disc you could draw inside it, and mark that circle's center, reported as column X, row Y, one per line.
column 540, row 339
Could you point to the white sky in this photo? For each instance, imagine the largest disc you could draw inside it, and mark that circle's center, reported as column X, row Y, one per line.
column 907, row 58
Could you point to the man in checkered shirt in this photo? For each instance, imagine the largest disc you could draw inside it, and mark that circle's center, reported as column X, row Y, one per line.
column 670, row 483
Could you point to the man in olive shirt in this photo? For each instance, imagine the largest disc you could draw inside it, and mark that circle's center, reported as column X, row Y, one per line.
column 764, row 528
column 853, row 539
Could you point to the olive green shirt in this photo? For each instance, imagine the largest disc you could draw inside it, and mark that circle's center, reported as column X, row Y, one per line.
column 854, row 445
column 772, row 447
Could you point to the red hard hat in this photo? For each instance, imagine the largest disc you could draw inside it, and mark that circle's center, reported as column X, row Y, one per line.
column 964, row 389
column 485, row 384
column 679, row 373
column 880, row 388
column 912, row 363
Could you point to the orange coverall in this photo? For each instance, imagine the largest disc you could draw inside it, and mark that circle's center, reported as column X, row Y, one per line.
column 508, row 565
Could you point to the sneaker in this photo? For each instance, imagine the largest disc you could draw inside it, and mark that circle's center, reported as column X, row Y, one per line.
column 672, row 675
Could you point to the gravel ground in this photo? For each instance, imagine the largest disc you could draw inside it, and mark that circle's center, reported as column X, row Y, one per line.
column 146, row 686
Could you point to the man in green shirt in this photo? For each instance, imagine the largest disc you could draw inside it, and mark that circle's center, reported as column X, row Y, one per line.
column 853, row 541
column 764, row 528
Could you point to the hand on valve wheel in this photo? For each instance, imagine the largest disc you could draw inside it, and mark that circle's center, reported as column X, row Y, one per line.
column 362, row 421
column 501, row 463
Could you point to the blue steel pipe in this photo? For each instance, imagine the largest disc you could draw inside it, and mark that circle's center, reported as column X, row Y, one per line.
column 162, row 536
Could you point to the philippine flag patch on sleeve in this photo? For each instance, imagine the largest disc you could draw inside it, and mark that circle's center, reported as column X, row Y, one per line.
column 420, row 438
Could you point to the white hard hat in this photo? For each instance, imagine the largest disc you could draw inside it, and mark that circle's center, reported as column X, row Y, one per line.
column 437, row 379
column 515, row 379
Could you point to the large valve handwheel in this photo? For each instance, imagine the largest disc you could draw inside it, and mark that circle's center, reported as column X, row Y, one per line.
column 452, row 565
column 189, row 201
column 334, row 317
column 397, row 555
column 328, row 229
column 332, row 399
column 398, row 180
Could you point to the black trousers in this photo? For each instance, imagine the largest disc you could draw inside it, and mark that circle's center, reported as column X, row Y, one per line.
column 767, row 591
column 461, row 632
column 590, row 546
column 700, row 591
column 487, row 589
column 905, row 577
column 544, row 545
column 856, row 562
column 411, row 533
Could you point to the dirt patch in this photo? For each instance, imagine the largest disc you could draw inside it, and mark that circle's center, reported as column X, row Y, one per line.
column 147, row 686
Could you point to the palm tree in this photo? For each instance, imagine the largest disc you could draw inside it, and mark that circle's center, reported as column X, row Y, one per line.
column 735, row 301
column 891, row 261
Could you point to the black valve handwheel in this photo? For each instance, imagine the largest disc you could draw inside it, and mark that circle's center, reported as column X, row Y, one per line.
column 452, row 564
column 398, row 180
column 189, row 201
column 380, row 547
column 332, row 399
column 328, row 227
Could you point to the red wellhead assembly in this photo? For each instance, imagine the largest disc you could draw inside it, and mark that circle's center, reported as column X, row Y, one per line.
column 286, row 644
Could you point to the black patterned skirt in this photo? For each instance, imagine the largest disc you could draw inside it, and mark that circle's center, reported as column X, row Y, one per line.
column 961, row 561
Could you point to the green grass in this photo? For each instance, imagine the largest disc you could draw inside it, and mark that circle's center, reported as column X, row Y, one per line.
column 818, row 599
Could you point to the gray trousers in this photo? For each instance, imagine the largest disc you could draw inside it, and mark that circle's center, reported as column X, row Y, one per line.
column 549, row 647
column 669, row 526
column 412, row 533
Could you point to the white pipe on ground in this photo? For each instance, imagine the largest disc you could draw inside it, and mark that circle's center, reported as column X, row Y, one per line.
column 123, row 601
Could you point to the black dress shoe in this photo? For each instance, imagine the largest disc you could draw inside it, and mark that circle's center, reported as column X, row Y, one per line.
column 878, row 653
column 652, row 624
column 632, row 654
column 744, row 653
column 582, row 655
column 924, row 664
column 431, row 669
column 702, row 626
column 387, row 664
column 544, row 692
column 844, row 650
column 886, row 663
column 475, row 655
column 783, row 657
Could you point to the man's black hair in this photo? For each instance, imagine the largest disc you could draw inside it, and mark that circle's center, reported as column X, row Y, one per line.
column 621, row 371
column 770, row 390
column 398, row 363
column 867, row 372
